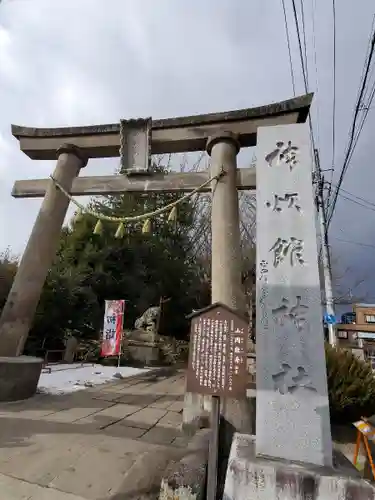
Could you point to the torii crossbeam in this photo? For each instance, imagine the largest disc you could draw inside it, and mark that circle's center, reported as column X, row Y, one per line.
column 172, row 135
column 220, row 134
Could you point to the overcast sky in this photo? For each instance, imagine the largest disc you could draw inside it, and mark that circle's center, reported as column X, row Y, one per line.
column 81, row 62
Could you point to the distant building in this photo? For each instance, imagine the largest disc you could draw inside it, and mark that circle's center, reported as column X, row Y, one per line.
column 357, row 331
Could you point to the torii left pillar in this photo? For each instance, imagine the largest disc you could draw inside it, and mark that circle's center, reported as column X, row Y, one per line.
column 18, row 313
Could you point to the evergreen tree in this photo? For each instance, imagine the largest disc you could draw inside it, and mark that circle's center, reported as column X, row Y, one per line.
column 90, row 268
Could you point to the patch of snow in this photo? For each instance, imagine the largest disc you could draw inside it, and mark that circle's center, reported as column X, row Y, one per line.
column 68, row 378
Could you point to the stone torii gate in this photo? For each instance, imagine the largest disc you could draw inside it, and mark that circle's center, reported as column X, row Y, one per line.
column 220, row 134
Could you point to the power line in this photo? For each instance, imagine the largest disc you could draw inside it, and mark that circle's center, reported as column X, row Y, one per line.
column 289, row 50
column 334, row 94
column 362, row 83
column 365, row 107
column 367, row 54
column 356, row 196
column 371, row 74
column 313, row 9
column 352, row 141
column 304, row 73
column 365, row 110
column 329, row 301
column 349, row 157
column 353, row 138
column 356, row 202
column 300, row 46
column 304, row 40
column 316, row 164
column 370, row 205
column 364, row 245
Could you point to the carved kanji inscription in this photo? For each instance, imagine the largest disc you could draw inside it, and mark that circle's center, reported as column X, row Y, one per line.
column 283, row 153
column 293, row 313
column 290, row 200
column 263, row 271
column 288, row 380
column 292, row 247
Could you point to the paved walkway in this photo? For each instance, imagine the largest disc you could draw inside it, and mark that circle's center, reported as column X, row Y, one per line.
column 108, row 442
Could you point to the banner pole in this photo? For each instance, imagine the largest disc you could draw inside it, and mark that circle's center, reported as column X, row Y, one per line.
column 120, row 350
column 121, row 334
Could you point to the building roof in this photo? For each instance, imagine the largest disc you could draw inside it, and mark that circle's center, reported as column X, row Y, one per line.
column 199, row 312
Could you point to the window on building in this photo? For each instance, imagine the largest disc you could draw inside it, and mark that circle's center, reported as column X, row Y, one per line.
column 342, row 334
column 348, row 318
column 370, row 318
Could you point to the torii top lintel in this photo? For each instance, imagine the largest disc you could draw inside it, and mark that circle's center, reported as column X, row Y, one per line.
column 171, row 135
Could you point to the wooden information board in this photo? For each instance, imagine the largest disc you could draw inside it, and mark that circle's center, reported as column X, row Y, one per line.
column 218, row 352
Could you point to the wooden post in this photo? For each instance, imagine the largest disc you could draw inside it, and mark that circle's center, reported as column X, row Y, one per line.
column 217, row 369
column 157, row 327
column 23, row 299
column 213, row 451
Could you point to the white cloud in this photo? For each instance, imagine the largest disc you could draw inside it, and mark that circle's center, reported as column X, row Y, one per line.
column 9, row 69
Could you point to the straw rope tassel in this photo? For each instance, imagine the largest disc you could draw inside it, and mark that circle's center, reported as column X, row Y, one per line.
column 98, row 229
column 146, row 229
column 120, row 233
column 172, row 217
column 78, row 216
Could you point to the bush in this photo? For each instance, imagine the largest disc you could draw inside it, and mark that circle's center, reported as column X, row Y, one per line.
column 351, row 386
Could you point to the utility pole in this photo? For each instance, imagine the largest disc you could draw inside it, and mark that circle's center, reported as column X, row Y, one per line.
column 326, row 261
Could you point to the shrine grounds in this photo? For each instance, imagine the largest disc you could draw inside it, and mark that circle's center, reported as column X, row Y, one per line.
column 112, row 441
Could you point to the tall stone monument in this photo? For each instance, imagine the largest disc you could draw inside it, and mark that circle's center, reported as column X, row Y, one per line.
column 292, row 402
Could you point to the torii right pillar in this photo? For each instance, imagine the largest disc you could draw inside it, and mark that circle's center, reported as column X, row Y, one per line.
column 226, row 267
column 226, row 258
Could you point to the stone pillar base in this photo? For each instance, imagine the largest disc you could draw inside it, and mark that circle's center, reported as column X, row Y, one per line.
column 263, row 478
column 146, row 353
column 19, row 377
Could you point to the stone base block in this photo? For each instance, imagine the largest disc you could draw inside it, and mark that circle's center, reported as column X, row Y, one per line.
column 149, row 354
column 19, row 377
column 186, row 479
column 262, row 478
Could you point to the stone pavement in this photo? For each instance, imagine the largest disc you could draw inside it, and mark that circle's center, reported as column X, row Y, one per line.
column 108, row 442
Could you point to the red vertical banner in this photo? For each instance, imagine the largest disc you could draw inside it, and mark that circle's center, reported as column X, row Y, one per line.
column 113, row 326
